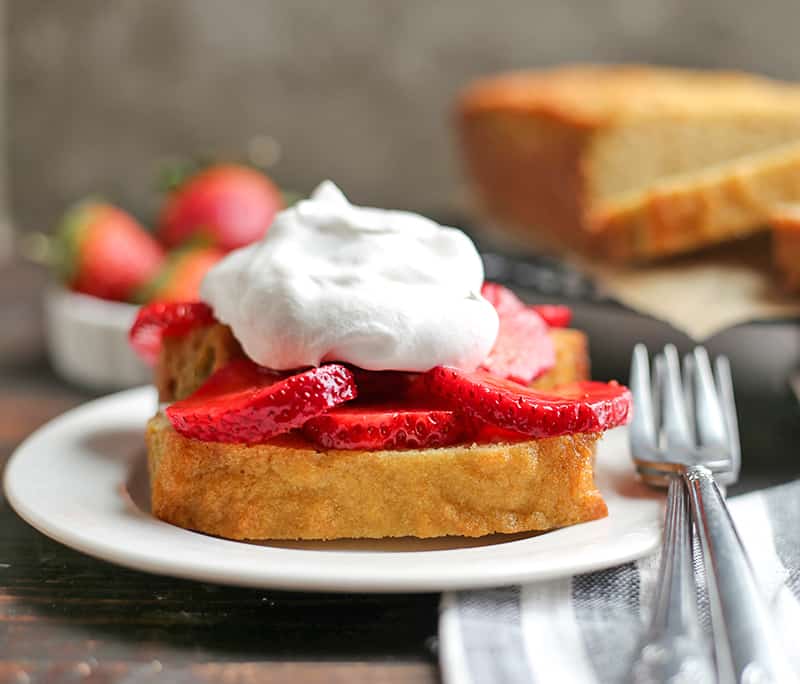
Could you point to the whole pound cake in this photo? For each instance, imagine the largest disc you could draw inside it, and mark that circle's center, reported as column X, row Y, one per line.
column 631, row 162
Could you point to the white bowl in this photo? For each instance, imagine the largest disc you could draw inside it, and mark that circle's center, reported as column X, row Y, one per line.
column 87, row 340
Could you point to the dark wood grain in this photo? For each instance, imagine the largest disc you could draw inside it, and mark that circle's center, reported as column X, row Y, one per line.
column 67, row 617
column 92, row 672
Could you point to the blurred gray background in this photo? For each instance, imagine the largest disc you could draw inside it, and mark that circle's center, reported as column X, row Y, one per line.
column 99, row 92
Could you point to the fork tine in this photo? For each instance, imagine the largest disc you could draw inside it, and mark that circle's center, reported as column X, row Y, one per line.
column 643, row 433
column 722, row 368
column 673, row 410
column 711, row 427
column 688, row 394
column 659, row 373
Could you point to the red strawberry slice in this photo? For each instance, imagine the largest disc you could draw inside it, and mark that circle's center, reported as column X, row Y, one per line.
column 555, row 315
column 248, row 404
column 523, row 349
column 156, row 321
column 377, row 386
column 505, row 302
column 386, row 426
column 501, row 298
column 578, row 407
column 483, row 433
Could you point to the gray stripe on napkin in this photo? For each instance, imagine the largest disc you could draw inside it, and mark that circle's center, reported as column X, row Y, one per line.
column 608, row 612
column 491, row 633
column 783, row 508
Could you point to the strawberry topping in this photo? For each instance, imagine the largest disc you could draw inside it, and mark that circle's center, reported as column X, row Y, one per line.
column 501, row 298
column 505, row 301
column 156, row 321
column 246, row 403
column 392, row 426
column 523, row 350
column 555, row 315
column 579, row 407
column 483, row 433
column 379, row 386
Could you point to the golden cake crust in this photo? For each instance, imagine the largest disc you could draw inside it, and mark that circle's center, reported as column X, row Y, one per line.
column 593, row 95
column 288, row 489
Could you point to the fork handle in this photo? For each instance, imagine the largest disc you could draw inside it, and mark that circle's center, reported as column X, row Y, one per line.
column 674, row 645
column 747, row 646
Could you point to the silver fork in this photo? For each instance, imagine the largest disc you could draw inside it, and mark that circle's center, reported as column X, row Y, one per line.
column 683, row 432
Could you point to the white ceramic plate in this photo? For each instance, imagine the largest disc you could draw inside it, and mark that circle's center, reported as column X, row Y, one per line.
column 82, row 480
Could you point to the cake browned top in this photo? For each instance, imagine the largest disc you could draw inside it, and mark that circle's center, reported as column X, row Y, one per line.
column 592, row 94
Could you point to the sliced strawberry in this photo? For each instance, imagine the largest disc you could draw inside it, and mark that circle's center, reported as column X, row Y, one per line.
column 579, row 407
column 505, row 302
column 387, row 426
column 158, row 320
column 248, row 404
column 523, row 349
column 501, row 298
column 376, row 386
column 555, row 315
column 484, row 433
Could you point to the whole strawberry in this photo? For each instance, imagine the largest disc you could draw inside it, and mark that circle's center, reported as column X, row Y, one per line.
column 103, row 251
column 179, row 280
column 229, row 205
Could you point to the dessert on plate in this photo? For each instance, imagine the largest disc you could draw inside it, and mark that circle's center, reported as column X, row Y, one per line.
column 352, row 376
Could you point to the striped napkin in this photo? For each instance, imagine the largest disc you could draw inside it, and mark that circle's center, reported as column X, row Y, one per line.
column 586, row 628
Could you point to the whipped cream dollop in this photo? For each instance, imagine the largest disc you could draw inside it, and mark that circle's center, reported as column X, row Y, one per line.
column 383, row 290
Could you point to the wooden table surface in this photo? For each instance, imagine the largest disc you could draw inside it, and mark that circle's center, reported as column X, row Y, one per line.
column 67, row 617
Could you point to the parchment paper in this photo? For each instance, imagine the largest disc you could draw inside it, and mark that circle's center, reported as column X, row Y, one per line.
column 704, row 293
